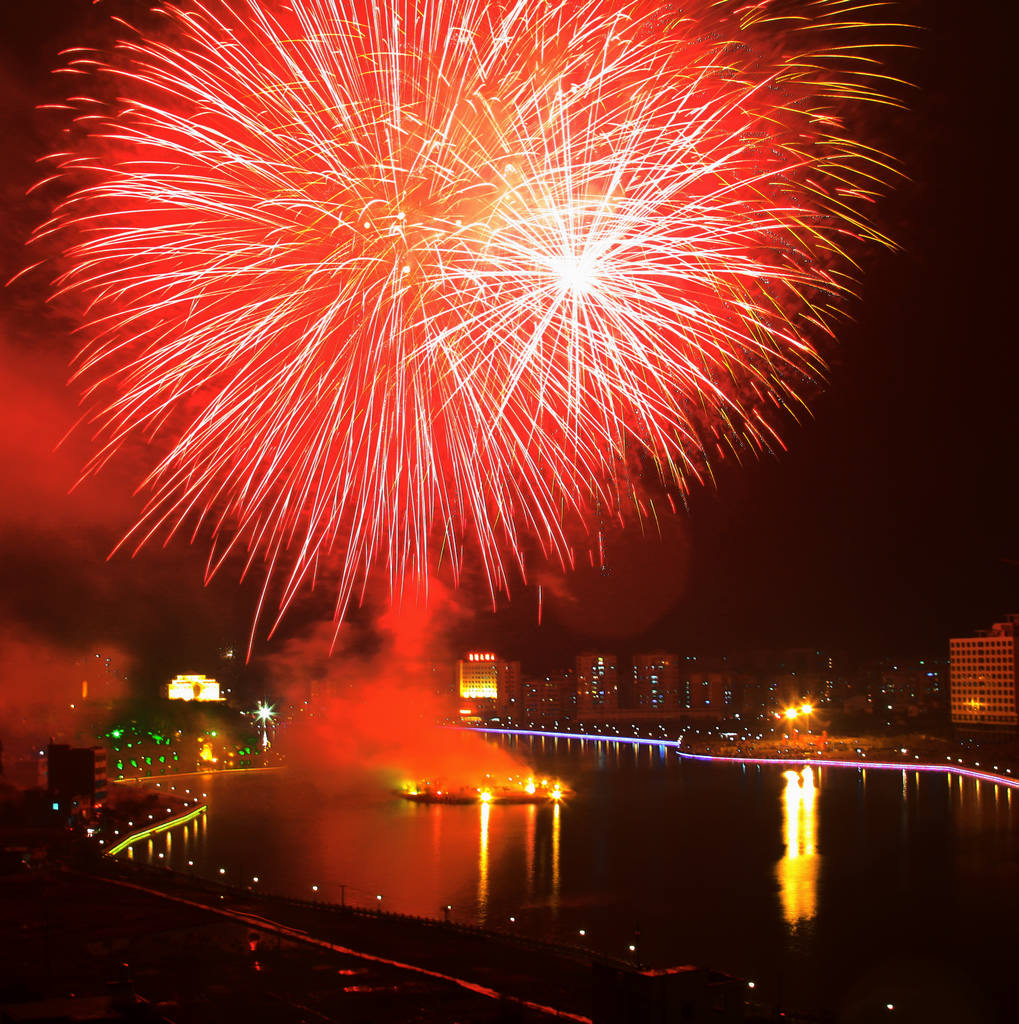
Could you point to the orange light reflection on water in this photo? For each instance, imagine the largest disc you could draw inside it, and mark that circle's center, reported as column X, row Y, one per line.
column 486, row 811
column 532, row 824
column 556, row 828
column 797, row 871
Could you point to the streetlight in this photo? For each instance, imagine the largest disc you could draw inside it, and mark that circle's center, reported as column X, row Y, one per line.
column 379, row 904
column 445, row 910
column 265, row 713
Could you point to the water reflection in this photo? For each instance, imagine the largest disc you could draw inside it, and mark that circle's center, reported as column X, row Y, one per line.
column 486, row 810
column 532, row 822
column 797, row 871
column 556, row 825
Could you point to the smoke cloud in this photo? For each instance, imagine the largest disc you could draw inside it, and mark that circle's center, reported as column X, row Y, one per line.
column 50, row 691
column 374, row 705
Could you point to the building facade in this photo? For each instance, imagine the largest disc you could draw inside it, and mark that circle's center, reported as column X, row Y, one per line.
column 193, row 687
column 982, row 677
column 478, row 676
column 75, row 778
column 655, row 681
column 548, row 700
column 597, row 683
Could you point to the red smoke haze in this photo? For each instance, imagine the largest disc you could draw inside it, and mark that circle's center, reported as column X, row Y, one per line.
column 377, row 714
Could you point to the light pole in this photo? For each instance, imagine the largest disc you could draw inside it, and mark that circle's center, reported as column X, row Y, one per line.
column 265, row 713
column 445, row 912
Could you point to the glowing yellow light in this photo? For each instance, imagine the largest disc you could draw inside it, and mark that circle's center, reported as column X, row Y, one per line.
column 486, row 810
column 791, row 713
column 193, row 687
column 556, row 828
column 806, row 709
column 530, row 787
column 486, row 796
column 149, row 832
column 798, row 870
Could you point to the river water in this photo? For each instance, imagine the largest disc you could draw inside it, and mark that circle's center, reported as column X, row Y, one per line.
column 833, row 890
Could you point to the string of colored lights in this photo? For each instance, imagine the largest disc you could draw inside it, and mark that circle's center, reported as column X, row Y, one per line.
column 163, row 826
column 815, row 762
column 199, row 774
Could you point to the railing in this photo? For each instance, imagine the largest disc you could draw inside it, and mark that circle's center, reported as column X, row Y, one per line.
column 163, row 826
column 213, row 887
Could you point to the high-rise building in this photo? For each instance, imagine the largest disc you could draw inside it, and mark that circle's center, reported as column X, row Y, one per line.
column 791, row 674
column 510, row 702
column 983, row 676
column 488, row 685
column 597, row 683
column 655, row 681
column 548, row 700
column 477, row 676
column 75, row 777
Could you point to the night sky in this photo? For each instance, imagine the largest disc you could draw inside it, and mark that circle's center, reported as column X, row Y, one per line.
column 887, row 526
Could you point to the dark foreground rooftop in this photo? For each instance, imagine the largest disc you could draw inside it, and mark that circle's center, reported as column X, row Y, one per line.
column 125, row 943
column 67, row 936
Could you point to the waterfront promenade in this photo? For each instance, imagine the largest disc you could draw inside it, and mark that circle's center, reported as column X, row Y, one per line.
column 912, row 763
column 201, row 953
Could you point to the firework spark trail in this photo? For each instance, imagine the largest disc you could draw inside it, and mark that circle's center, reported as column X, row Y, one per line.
column 384, row 280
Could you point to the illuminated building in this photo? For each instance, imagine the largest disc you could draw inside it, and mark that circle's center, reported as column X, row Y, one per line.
column 75, row 777
column 547, row 699
column 655, row 681
column 478, row 676
column 193, row 688
column 507, row 677
column 902, row 687
column 983, row 674
column 487, row 685
column 597, row 683
column 710, row 691
column 780, row 676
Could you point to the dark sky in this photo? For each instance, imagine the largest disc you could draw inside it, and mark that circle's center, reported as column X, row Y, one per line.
column 887, row 526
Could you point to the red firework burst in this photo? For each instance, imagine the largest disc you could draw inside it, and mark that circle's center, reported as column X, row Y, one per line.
column 384, row 281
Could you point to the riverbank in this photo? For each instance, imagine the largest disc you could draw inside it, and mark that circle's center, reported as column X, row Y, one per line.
column 193, row 956
column 191, row 952
column 907, row 761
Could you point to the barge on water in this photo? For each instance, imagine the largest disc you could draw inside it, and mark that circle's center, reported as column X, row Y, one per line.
column 529, row 791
